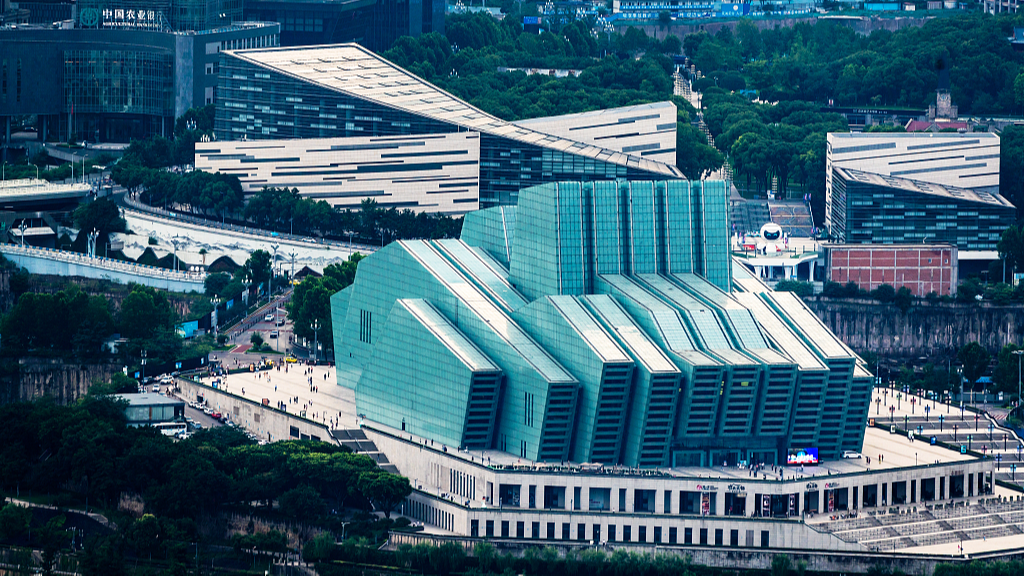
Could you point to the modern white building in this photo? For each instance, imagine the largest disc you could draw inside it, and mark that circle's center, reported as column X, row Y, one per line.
column 909, row 176
column 352, row 97
column 425, row 172
column 646, row 130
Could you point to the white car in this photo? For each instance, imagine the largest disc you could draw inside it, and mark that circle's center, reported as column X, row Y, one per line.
column 269, row 318
column 851, row 454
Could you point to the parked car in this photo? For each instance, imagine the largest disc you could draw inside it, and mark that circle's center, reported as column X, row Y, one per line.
column 852, row 454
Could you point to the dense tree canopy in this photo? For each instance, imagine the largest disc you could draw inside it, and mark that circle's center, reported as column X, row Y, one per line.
column 826, row 60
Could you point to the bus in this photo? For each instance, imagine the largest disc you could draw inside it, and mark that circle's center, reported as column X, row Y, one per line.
column 171, row 428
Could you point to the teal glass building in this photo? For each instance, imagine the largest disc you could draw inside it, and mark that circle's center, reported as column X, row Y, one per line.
column 595, row 322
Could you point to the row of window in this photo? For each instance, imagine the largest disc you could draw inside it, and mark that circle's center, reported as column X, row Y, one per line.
column 657, row 535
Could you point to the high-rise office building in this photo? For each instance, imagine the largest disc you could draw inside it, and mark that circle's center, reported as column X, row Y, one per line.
column 375, row 24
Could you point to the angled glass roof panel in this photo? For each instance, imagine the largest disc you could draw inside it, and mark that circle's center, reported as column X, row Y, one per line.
column 630, row 334
column 484, row 272
column 820, row 337
column 779, row 332
column 703, row 319
column 487, row 311
column 449, row 335
column 588, row 329
column 669, row 324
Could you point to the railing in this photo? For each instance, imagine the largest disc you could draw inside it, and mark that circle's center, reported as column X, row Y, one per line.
column 140, row 206
column 102, row 262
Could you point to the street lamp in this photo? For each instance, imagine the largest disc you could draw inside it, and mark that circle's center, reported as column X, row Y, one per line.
column 21, row 228
column 270, row 289
column 1018, row 354
column 316, row 328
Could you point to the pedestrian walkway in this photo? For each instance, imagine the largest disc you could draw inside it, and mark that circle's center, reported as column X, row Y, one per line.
column 965, row 428
column 311, row 392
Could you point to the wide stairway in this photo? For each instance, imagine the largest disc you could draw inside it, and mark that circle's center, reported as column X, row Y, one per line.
column 749, row 215
column 356, row 441
column 908, row 527
column 793, row 217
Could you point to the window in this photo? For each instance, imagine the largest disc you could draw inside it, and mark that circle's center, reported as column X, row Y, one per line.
column 596, row 533
column 581, row 531
column 365, row 326
column 504, row 528
column 764, row 538
column 672, row 535
column 18, row 80
column 734, row 537
column 293, row 431
column 533, row 496
column 611, row 533
column 535, row 530
column 641, row 534
column 657, row 534
column 551, row 530
column 719, row 536
column 474, row 528
column 489, row 527
column 703, row 536
column 520, row 530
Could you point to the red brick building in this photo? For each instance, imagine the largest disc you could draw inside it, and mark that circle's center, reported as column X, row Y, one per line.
column 923, row 268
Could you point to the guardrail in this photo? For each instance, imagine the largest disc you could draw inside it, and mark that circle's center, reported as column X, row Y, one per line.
column 102, row 262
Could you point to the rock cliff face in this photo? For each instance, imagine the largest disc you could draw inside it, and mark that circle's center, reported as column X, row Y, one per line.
column 925, row 330
column 33, row 378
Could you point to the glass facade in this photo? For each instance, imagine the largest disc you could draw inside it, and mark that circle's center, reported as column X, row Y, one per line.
column 589, row 346
column 178, row 15
column 872, row 209
column 123, row 81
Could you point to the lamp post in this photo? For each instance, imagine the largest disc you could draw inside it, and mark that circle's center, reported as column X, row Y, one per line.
column 270, row 289
column 956, row 427
column 942, row 418
column 21, row 228
column 1018, row 354
column 316, row 328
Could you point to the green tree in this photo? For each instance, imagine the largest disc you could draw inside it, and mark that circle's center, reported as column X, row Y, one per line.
column 257, row 267
column 144, row 310
column 102, row 215
column 302, row 502
column 216, row 283
column 319, row 548
column 884, row 293
column 384, row 489
column 975, row 359
column 14, row 520
column 801, row 289
column 903, row 299
column 256, row 340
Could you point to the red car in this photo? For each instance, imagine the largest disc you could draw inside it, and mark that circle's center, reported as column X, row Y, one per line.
column 216, row 415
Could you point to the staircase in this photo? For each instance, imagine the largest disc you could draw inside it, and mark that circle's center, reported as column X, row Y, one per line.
column 356, row 441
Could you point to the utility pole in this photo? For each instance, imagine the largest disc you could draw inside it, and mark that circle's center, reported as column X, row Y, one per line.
column 292, row 254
